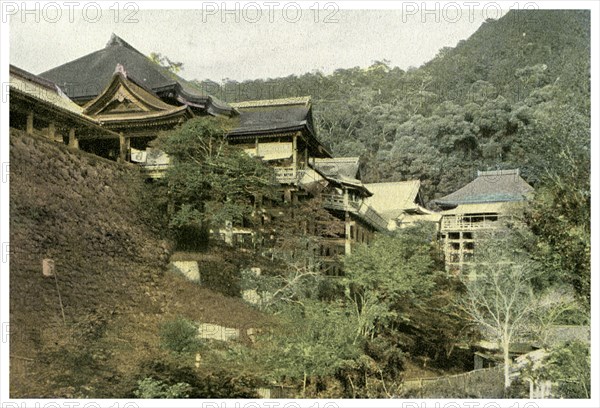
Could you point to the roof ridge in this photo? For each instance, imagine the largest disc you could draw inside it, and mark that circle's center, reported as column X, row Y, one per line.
column 396, row 182
column 13, row 69
column 507, row 172
column 293, row 100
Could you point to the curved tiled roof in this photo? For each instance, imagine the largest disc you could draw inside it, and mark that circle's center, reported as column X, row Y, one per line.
column 489, row 187
column 394, row 196
column 41, row 89
column 286, row 114
column 84, row 78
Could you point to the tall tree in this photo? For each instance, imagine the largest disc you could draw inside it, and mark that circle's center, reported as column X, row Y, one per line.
column 210, row 182
column 499, row 298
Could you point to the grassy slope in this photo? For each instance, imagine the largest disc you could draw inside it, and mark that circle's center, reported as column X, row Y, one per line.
column 82, row 212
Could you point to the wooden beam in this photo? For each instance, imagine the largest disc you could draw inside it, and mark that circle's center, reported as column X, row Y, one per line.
column 348, row 237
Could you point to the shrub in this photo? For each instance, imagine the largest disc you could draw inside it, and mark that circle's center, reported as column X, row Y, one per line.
column 180, row 336
column 221, row 276
column 151, row 388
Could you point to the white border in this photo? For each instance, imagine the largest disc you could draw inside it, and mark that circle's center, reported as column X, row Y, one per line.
column 4, row 237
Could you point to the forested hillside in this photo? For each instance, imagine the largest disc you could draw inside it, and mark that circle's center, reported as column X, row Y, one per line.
column 480, row 105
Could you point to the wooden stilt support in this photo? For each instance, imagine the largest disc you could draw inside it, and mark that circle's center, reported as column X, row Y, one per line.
column 73, row 141
column 123, row 147
column 29, row 126
column 51, row 131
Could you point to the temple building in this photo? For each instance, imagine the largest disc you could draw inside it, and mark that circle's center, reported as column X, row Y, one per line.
column 125, row 100
column 113, row 102
column 401, row 204
column 39, row 107
column 487, row 203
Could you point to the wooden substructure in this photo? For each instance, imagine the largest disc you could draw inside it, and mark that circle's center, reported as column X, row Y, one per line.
column 461, row 234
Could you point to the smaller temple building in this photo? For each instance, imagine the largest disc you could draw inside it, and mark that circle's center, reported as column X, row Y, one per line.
column 487, row 203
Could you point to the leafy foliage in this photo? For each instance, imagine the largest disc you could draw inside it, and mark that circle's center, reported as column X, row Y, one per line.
column 179, row 335
column 315, row 340
column 210, row 181
column 390, row 269
column 168, row 374
column 561, row 212
column 570, row 367
column 151, row 388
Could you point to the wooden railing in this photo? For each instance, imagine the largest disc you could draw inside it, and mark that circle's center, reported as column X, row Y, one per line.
column 458, row 223
column 337, row 202
column 482, row 383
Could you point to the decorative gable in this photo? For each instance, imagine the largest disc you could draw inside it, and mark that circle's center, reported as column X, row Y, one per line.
column 123, row 96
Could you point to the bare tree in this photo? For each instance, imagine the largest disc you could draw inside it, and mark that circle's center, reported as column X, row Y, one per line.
column 500, row 299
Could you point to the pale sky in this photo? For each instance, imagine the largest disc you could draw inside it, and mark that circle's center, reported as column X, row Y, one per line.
column 211, row 49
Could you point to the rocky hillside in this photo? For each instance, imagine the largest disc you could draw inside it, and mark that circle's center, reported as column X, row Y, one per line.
column 96, row 320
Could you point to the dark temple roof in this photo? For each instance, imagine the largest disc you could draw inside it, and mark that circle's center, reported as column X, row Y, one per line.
column 489, row 187
column 276, row 116
column 273, row 115
column 86, row 77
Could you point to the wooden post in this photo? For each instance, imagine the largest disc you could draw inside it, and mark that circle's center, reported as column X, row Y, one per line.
column 73, row 141
column 306, row 157
column 123, row 147
column 346, row 199
column 51, row 130
column 348, row 241
column 29, row 126
column 295, row 153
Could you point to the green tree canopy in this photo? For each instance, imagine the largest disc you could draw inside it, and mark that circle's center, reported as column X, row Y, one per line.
column 210, row 182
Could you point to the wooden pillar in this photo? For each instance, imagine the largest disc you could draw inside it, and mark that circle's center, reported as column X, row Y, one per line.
column 29, row 126
column 256, row 146
column 73, row 141
column 348, row 240
column 346, row 199
column 51, row 131
column 123, row 147
column 295, row 153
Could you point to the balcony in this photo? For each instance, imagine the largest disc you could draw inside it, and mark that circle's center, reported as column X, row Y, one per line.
column 337, row 202
column 471, row 222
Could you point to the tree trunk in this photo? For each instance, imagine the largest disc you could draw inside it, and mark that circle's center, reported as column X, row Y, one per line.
column 304, row 386
column 506, row 349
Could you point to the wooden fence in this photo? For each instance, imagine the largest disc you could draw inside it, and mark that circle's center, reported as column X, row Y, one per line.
column 483, row 383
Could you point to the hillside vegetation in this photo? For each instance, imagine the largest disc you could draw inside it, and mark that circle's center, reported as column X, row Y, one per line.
column 113, row 322
column 473, row 107
column 86, row 214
